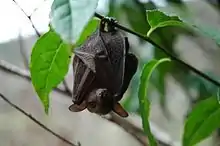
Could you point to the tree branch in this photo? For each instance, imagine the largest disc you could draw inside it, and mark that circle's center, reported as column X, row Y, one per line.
column 148, row 39
column 129, row 128
column 10, row 68
column 136, row 132
column 29, row 17
column 36, row 121
column 162, row 138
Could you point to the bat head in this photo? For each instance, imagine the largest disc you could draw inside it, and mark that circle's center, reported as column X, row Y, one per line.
column 100, row 101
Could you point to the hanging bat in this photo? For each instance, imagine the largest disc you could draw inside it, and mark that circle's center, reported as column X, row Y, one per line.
column 103, row 69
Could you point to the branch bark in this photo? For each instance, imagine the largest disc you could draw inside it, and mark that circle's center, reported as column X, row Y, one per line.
column 10, row 68
column 36, row 121
column 163, row 139
column 135, row 131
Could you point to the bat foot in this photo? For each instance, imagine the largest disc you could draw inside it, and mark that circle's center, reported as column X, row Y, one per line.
column 107, row 24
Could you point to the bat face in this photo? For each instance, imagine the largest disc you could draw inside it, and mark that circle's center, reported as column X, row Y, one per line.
column 100, row 101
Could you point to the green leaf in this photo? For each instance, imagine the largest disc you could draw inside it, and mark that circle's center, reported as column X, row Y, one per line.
column 70, row 17
column 89, row 29
column 50, row 60
column 144, row 103
column 136, row 15
column 202, row 121
column 190, row 18
column 158, row 19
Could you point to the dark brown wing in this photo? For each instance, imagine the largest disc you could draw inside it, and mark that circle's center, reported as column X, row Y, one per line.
column 91, row 54
column 83, row 79
column 100, row 66
column 86, row 58
column 91, row 45
column 114, row 45
column 110, row 70
column 131, row 64
column 104, row 73
column 90, row 49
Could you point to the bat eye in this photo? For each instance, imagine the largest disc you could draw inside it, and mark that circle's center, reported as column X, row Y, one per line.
column 92, row 104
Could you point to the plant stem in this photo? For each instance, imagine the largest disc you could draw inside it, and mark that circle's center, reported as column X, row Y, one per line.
column 148, row 39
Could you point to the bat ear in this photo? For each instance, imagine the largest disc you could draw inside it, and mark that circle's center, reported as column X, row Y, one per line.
column 77, row 108
column 118, row 109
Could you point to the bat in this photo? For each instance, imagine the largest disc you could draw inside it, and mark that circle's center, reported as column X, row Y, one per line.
column 103, row 69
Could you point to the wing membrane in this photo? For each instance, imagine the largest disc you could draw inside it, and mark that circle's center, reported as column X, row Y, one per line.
column 83, row 79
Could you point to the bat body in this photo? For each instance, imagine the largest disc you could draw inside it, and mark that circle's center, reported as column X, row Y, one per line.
column 102, row 70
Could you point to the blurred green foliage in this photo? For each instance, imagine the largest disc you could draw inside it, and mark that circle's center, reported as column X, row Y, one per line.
column 132, row 13
column 144, row 104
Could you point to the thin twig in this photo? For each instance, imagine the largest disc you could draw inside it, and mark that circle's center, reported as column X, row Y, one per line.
column 129, row 128
column 22, row 51
column 9, row 68
column 208, row 78
column 29, row 17
column 136, row 132
column 36, row 121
